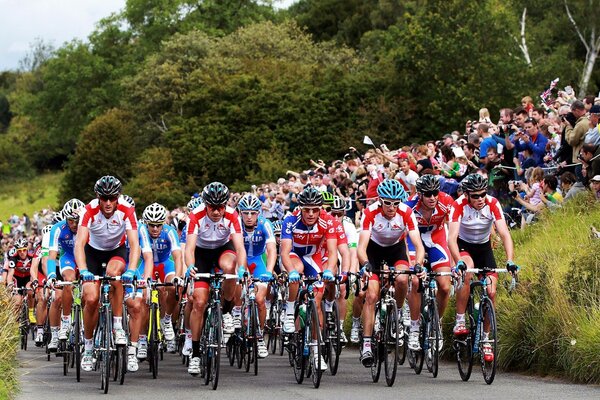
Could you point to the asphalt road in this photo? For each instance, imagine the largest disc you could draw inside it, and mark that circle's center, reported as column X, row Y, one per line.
column 43, row 380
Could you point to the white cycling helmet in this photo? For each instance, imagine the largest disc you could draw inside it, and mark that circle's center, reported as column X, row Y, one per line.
column 155, row 214
column 72, row 208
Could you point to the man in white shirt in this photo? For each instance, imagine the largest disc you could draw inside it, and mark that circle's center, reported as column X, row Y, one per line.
column 408, row 176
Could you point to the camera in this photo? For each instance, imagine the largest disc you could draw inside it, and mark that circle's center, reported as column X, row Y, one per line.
column 579, row 157
column 513, row 194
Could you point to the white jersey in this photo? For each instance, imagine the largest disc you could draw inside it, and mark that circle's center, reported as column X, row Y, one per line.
column 476, row 225
column 212, row 235
column 351, row 232
column 108, row 233
column 387, row 232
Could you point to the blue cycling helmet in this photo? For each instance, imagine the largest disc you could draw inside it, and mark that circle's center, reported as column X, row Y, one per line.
column 391, row 189
column 249, row 202
column 194, row 203
column 277, row 227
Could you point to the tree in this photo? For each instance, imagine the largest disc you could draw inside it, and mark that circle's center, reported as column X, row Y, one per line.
column 105, row 147
column 40, row 52
column 155, row 179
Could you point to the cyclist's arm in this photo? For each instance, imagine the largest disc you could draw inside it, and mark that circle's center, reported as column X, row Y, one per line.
column 83, row 235
column 363, row 242
column 33, row 271
column 332, row 250
column 286, row 260
column 190, row 247
column 415, row 238
column 271, row 256
column 353, row 260
column 504, row 234
column 178, row 259
column 10, row 275
column 344, row 251
column 240, row 250
column 453, row 228
column 134, row 248
column 148, row 257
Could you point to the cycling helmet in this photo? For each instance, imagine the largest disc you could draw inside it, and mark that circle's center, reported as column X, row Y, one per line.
column 129, row 199
column 155, row 214
column 194, row 203
column 46, row 229
column 249, row 202
column 327, row 198
column 310, row 197
column 277, row 227
column 21, row 243
column 215, row 194
column 72, row 208
column 474, row 183
column 339, row 204
column 57, row 217
column 427, row 183
column 108, row 186
column 391, row 189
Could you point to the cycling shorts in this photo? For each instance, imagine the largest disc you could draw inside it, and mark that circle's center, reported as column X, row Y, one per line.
column 436, row 248
column 207, row 261
column 394, row 255
column 257, row 265
column 481, row 253
column 67, row 261
column 95, row 258
column 163, row 269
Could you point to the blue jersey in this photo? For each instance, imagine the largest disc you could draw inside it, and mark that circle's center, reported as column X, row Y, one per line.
column 162, row 246
column 256, row 241
column 183, row 236
column 61, row 236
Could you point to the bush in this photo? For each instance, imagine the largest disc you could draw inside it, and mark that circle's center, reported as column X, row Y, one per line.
column 9, row 341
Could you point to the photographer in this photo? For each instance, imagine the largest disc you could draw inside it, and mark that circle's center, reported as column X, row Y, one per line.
column 565, row 152
column 575, row 131
column 590, row 161
column 530, row 138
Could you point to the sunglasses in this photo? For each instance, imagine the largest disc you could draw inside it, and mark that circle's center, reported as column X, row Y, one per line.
column 431, row 193
column 477, row 195
column 112, row 199
column 219, row 207
column 392, row 203
column 327, row 208
column 337, row 213
column 155, row 225
column 311, row 210
column 22, row 249
column 250, row 213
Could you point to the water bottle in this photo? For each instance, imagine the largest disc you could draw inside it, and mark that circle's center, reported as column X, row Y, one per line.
column 383, row 311
column 302, row 314
column 476, row 312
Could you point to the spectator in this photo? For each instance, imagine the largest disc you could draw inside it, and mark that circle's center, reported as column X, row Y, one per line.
column 575, row 131
column 407, row 176
column 527, row 103
column 531, row 139
column 423, row 162
column 570, row 186
column 590, row 161
column 592, row 136
column 595, row 186
column 565, row 152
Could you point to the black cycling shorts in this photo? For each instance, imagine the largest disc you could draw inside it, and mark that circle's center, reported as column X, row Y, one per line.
column 481, row 253
column 393, row 255
column 96, row 258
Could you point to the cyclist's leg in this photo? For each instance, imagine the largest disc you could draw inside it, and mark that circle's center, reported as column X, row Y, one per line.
column 91, row 294
column 116, row 267
column 440, row 262
column 298, row 266
column 259, row 268
column 166, row 272
column 67, row 271
column 227, row 262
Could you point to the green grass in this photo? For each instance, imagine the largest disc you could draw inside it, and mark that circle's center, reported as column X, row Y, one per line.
column 17, row 197
column 9, row 341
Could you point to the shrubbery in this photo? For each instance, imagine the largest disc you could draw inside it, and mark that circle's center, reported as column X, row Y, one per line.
column 9, row 341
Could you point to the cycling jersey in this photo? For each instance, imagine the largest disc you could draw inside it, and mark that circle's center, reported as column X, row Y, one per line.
column 61, row 236
column 307, row 240
column 475, row 225
column 45, row 245
column 351, row 232
column 21, row 266
column 212, row 235
column 387, row 232
column 256, row 241
column 162, row 246
column 108, row 233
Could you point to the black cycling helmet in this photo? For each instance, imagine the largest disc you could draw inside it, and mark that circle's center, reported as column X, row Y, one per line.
column 215, row 194
column 108, row 186
column 339, row 204
column 474, row 183
column 310, row 197
column 427, row 183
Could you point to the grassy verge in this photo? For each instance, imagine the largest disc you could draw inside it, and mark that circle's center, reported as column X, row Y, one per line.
column 8, row 347
column 17, row 197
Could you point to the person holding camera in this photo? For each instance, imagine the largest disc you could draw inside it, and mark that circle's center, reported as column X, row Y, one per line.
column 590, row 161
column 576, row 128
column 530, row 138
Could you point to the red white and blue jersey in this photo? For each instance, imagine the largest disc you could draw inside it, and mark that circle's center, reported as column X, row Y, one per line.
column 108, row 233
column 476, row 225
column 307, row 240
column 61, row 236
column 212, row 235
column 387, row 232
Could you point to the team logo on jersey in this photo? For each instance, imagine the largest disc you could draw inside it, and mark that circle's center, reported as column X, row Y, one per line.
column 114, row 222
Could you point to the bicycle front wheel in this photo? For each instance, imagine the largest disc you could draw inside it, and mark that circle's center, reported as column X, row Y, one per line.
column 106, row 349
column 488, row 341
column 391, row 343
column 316, row 345
column 77, row 340
column 297, row 349
column 214, row 343
column 432, row 337
column 255, row 333
column 153, row 339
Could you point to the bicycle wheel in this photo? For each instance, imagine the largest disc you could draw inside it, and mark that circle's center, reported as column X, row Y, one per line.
column 47, row 334
column 488, row 367
column 316, row 345
column 121, row 363
column 402, row 342
column 335, row 335
column 105, row 351
column 419, row 355
column 432, row 338
column 376, row 349
column 255, row 334
column 24, row 324
column 390, row 341
column 463, row 346
column 215, row 345
column 63, row 348
column 297, row 350
column 274, row 326
column 77, row 340
column 153, row 341
column 239, row 351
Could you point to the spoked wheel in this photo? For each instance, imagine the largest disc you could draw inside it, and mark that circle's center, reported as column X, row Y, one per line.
column 432, row 338
column 121, row 363
column 229, row 350
column 315, row 334
column 402, row 343
column 390, row 343
column 255, row 332
column 419, row 356
column 66, row 355
column 463, row 346
column 105, row 353
column 153, row 342
column 77, row 341
column 332, row 333
column 274, row 325
column 298, row 349
column 239, row 349
column 214, row 349
column 488, row 341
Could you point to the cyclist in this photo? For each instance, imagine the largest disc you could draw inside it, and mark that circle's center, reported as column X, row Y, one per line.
column 163, row 242
column 261, row 250
column 338, row 211
column 62, row 237
column 301, row 240
column 385, row 224
column 100, row 250
column 471, row 219
column 431, row 209
column 215, row 230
